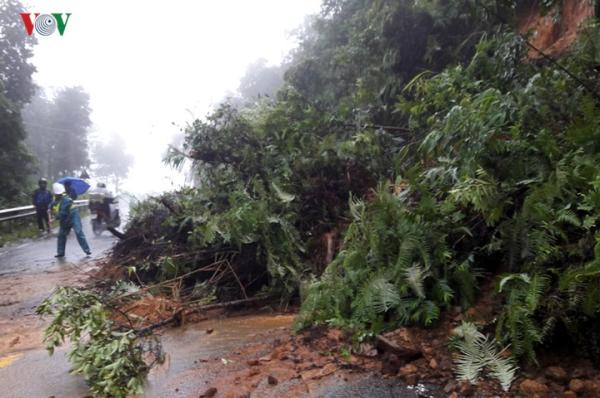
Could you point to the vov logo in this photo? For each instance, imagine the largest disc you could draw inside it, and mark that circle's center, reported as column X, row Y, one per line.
column 45, row 24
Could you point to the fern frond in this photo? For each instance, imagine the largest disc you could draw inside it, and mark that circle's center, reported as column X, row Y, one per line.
column 384, row 294
column 501, row 368
column 476, row 353
column 415, row 277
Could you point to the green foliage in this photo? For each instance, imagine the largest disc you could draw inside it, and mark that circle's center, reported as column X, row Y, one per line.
column 517, row 323
column 108, row 356
column 477, row 353
column 490, row 168
column 394, row 268
column 16, row 88
column 500, row 176
column 16, row 49
column 15, row 160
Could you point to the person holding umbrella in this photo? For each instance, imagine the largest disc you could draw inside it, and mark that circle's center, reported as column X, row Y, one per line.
column 69, row 218
column 41, row 199
column 74, row 186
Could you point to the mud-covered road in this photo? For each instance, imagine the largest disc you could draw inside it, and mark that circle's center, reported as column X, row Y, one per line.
column 28, row 274
column 196, row 359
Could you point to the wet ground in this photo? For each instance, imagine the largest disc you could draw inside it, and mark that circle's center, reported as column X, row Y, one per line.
column 28, row 274
column 196, row 359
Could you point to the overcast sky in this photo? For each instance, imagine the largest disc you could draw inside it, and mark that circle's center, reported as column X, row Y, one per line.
column 149, row 64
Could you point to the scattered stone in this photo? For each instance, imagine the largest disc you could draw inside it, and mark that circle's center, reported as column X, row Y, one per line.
column 592, row 388
column 576, row 385
column 266, row 358
column 465, row 388
column 252, row 362
column 409, row 374
column 411, row 379
column 450, row 386
column 453, row 395
column 557, row 373
column 569, row 394
column 433, row 364
column 367, row 350
column 328, row 369
column 211, row 392
column 446, row 363
column 209, row 331
column 426, row 349
column 253, row 372
column 391, row 363
column 407, row 370
column 318, row 373
column 272, row 380
column 581, row 373
column 335, row 335
column 530, row 388
column 14, row 342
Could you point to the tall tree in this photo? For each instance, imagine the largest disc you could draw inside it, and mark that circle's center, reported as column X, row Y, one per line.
column 15, row 160
column 16, row 87
column 16, row 48
column 261, row 80
column 58, row 131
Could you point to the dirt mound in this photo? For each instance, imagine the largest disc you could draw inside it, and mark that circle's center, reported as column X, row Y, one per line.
column 554, row 32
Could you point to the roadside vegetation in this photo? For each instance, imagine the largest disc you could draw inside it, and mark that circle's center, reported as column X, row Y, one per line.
column 413, row 155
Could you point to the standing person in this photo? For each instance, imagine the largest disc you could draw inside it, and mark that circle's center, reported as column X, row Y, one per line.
column 41, row 200
column 69, row 218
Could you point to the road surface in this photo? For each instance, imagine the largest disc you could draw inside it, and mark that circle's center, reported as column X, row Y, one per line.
column 28, row 274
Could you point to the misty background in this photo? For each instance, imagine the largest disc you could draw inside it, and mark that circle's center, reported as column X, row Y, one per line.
column 116, row 90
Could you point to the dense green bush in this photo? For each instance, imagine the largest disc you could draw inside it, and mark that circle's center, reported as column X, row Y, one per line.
column 110, row 357
column 507, row 156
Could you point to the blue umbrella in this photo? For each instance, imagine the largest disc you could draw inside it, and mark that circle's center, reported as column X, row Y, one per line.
column 79, row 186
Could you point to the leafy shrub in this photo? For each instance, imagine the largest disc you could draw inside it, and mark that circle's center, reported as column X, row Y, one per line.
column 110, row 357
column 501, row 176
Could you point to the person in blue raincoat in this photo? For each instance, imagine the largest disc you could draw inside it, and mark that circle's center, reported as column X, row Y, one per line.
column 41, row 200
column 69, row 218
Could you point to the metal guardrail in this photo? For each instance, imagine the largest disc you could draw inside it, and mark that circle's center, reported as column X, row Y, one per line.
column 27, row 211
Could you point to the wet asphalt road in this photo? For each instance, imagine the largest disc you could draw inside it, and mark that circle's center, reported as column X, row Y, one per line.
column 28, row 274
column 37, row 255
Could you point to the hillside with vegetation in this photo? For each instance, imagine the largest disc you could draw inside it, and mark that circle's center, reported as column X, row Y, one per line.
column 416, row 159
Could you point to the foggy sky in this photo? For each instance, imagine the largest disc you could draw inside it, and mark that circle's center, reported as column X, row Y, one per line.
column 148, row 64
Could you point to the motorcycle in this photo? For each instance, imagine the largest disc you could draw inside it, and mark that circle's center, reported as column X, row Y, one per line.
column 107, row 215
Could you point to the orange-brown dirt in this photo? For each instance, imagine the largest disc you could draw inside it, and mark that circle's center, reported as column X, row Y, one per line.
column 290, row 366
column 20, row 328
column 553, row 33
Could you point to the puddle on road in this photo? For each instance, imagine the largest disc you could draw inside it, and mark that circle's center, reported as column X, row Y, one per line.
column 191, row 342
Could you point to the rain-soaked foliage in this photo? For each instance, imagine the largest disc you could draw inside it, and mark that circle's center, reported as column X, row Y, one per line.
column 445, row 160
